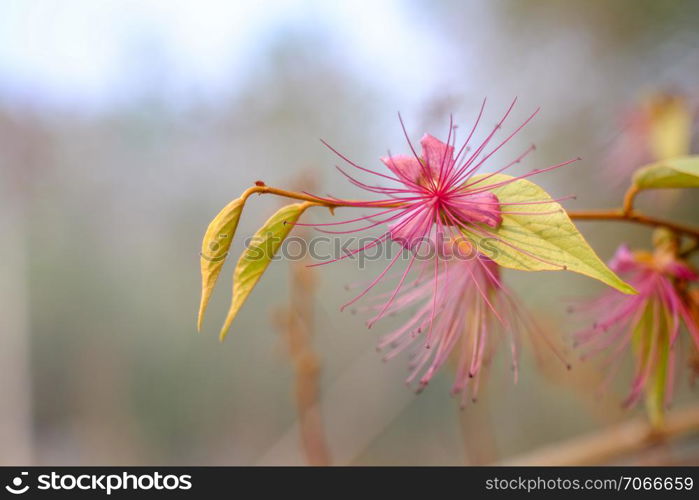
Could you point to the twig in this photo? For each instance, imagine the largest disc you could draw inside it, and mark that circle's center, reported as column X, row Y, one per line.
column 628, row 199
column 634, row 217
column 264, row 189
column 613, row 442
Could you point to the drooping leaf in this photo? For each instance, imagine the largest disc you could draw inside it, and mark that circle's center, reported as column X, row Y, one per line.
column 257, row 256
column 214, row 250
column 545, row 241
column 680, row 172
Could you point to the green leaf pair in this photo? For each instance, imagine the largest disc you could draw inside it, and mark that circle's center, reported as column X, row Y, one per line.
column 254, row 260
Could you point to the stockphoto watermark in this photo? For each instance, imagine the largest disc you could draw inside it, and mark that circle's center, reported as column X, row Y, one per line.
column 361, row 250
column 105, row 483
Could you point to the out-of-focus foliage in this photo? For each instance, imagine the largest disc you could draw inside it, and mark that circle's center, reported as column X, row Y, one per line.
column 670, row 126
column 672, row 173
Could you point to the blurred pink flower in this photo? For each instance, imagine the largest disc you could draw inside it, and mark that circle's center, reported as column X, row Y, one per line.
column 649, row 323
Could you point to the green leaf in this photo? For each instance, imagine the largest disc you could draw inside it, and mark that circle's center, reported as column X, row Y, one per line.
column 680, row 172
column 257, row 256
column 546, row 242
column 214, row 250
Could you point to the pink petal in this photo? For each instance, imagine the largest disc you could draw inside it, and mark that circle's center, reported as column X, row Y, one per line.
column 405, row 167
column 438, row 155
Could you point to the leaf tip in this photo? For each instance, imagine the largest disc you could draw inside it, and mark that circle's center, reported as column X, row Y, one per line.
column 200, row 316
column 203, row 304
column 227, row 324
column 222, row 334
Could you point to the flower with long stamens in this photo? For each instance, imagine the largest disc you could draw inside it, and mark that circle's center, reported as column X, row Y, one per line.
column 434, row 196
column 649, row 324
column 464, row 320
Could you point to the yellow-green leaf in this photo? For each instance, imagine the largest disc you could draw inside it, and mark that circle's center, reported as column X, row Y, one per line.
column 547, row 241
column 680, row 172
column 257, row 256
column 214, row 249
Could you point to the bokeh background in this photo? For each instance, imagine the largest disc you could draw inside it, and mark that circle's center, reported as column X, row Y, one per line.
column 126, row 125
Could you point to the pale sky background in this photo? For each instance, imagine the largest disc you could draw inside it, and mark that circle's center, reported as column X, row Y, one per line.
column 86, row 53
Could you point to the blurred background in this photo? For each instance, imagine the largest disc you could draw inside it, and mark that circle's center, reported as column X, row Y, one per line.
column 126, row 125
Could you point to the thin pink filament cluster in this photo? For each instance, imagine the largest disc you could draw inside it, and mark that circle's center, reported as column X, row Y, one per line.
column 474, row 312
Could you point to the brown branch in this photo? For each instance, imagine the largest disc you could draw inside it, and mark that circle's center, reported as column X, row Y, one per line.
column 264, row 189
column 306, row 387
column 613, row 442
column 634, row 217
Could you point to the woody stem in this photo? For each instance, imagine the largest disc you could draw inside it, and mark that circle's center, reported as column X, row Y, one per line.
column 629, row 197
column 634, row 217
column 610, row 444
column 312, row 199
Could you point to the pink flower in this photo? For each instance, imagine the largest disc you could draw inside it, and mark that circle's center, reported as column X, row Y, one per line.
column 649, row 323
column 432, row 196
